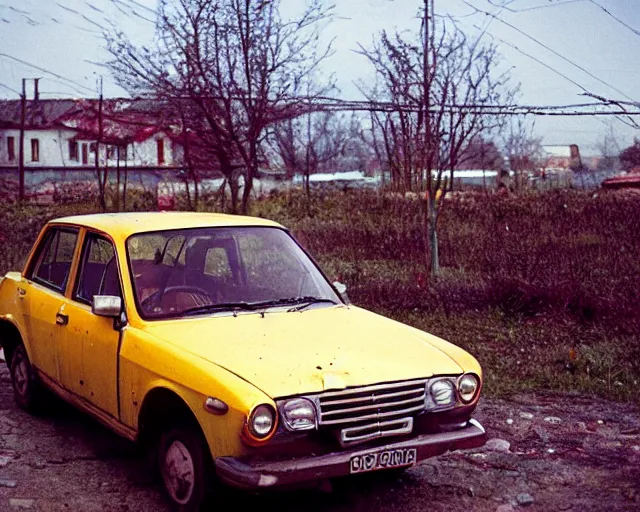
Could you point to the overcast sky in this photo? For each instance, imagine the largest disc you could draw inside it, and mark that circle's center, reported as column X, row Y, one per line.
column 64, row 37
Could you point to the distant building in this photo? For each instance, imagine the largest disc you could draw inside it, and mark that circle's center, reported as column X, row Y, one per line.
column 562, row 158
column 63, row 134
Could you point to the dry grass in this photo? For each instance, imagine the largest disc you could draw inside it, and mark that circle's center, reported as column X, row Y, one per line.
column 543, row 288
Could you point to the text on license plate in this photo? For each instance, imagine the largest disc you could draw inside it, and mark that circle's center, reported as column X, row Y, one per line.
column 383, row 460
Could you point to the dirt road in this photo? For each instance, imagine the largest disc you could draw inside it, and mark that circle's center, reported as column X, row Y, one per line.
column 548, row 453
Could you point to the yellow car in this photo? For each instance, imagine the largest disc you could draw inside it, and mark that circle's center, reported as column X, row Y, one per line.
column 218, row 343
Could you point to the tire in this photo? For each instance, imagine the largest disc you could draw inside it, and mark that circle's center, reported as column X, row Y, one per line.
column 27, row 389
column 185, row 468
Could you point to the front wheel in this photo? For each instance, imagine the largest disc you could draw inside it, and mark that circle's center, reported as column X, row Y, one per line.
column 27, row 389
column 185, row 468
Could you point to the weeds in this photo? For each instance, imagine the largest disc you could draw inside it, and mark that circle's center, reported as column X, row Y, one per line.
column 544, row 288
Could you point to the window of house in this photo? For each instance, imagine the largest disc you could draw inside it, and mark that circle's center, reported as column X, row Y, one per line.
column 73, row 150
column 85, row 154
column 11, row 148
column 35, row 150
column 54, row 263
column 160, row 144
column 111, row 152
column 92, row 147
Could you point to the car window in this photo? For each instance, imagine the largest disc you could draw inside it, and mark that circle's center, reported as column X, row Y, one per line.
column 99, row 270
column 220, row 266
column 52, row 269
column 270, row 265
column 173, row 250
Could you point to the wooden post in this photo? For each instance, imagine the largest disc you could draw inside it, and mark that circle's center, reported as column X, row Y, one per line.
column 23, row 109
column 118, row 178
column 126, row 177
column 103, row 203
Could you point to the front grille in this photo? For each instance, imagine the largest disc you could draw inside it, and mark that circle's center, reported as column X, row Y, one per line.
column 371, row 403
column 369, row 431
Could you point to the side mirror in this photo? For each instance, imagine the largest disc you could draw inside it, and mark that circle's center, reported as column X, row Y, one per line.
column 106, row 305
column 341, row 288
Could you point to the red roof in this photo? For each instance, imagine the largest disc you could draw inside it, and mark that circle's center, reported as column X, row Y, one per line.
column 626, row 181
column 120, row 122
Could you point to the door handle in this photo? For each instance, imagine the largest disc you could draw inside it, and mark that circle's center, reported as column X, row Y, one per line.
column 62, row 319
column 21, row 292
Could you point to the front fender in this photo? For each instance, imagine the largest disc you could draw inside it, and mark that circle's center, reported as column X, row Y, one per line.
column 148, row 363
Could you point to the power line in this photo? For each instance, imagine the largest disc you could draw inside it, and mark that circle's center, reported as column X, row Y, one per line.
column 91, row 6
column 59, row 93
column 134, row 12
column 321, row 103
column 11, row 89
column 540, row 43
column 333, row 103
column 504, row 5
column 14, row 9
column 604, row 101
column 33, row 20
column 39, row 68
column 117, row 6
column 551, row 68
column 615, row 17
column 134, row 2
column 593, row 2
column 631, row 123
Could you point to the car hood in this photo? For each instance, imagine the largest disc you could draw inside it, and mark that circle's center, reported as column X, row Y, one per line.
column 321, row 348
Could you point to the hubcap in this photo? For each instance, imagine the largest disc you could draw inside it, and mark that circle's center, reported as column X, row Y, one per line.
column 178, row 472
column 21, row 376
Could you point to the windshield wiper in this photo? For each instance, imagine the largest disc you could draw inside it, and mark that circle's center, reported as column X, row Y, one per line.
column 211, row 308
column 308, row 301
column 301, row 302
column 287, row 301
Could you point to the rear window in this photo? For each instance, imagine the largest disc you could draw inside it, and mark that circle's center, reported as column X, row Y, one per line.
column 56, row 255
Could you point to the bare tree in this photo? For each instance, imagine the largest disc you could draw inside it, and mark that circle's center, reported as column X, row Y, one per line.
column 630, row 157
column 522, row 147
column 234, row 64
column 434, row 81
column 609, row 149
column 481, row 153
column 313, row 143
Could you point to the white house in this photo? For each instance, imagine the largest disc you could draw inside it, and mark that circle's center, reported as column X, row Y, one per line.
column 63, row 134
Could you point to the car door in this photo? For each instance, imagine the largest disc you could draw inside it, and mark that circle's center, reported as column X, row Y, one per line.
column 42, row 292
column 89, row 358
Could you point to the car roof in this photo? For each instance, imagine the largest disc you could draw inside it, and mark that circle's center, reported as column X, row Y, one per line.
column 122, row 225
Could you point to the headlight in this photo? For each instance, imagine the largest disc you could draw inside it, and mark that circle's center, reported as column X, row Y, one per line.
column 468, row 387
column 261, row 421
column 443, row 392
column 299, row 414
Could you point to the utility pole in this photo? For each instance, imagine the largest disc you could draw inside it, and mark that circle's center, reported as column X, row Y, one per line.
column 428, row 34
column 101, row 183
column 425, row 91
column 23, row 111
column 431, row 194
column 118, row 177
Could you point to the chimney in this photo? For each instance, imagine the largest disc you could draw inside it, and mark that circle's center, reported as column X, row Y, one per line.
column 36, row 91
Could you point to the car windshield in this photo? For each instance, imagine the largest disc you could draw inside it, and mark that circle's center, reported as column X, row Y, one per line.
column 200, row 271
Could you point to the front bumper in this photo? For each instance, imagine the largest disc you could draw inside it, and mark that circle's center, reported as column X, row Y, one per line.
column 255, row 475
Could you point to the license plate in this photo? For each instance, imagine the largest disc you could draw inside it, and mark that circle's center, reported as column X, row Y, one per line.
column 383, row 460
